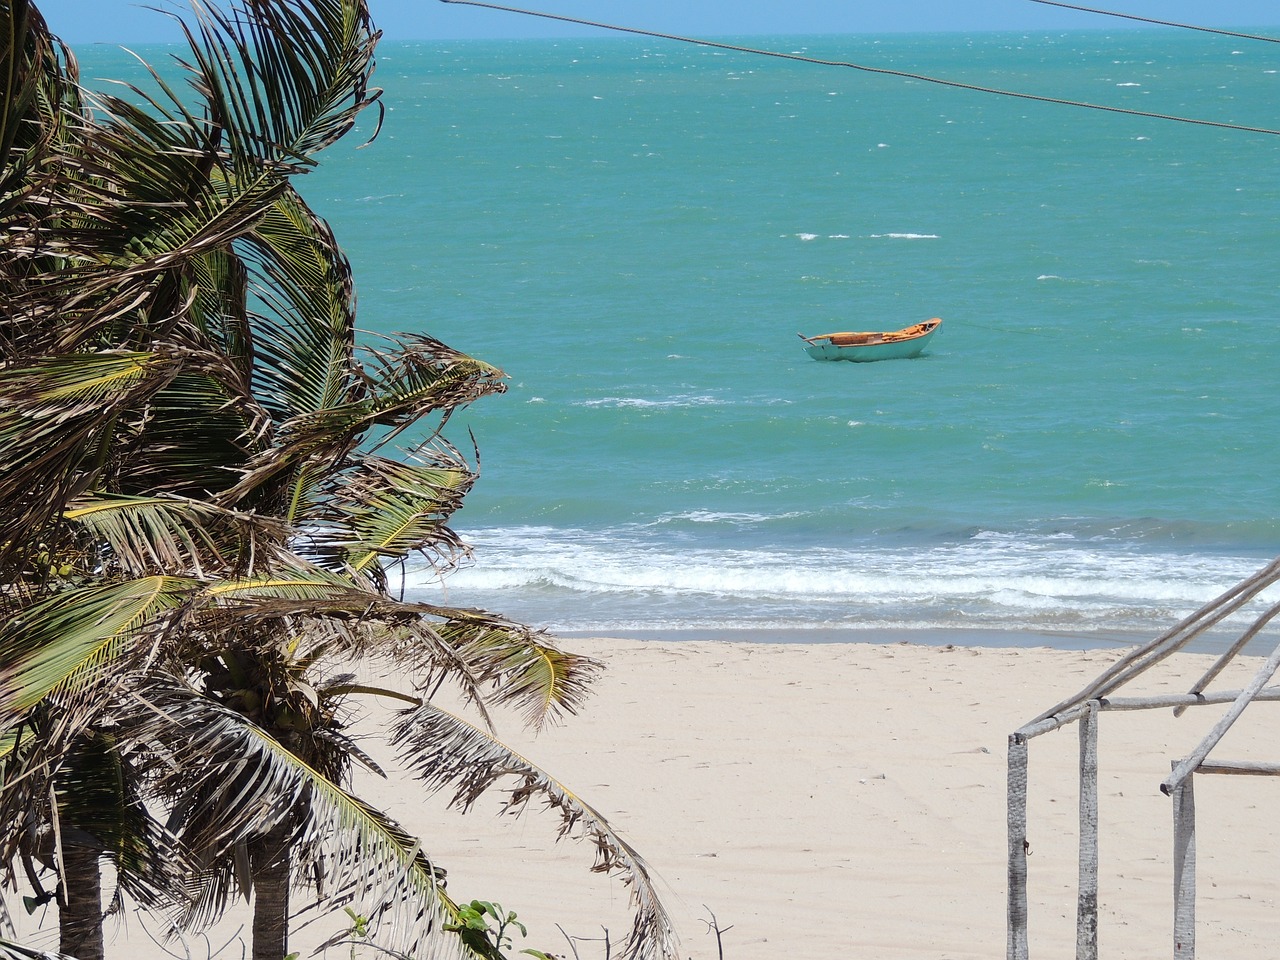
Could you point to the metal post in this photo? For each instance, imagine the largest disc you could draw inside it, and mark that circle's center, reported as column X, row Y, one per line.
column 1017, row 946
column 1087, row 896
column 1184, row 870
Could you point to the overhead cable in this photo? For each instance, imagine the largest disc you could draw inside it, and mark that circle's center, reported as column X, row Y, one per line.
column 864, row 68
column 1160, row 23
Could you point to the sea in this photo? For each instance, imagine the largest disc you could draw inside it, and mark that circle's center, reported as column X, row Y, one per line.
column 636, row 229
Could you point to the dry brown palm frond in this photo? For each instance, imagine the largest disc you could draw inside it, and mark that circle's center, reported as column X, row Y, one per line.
column 227, row 781
column 444, row 750
column 177, row 535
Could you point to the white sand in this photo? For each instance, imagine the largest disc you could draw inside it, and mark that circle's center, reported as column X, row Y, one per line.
column 848, row 800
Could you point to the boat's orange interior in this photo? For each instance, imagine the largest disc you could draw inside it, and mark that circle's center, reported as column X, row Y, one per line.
column 860, row 339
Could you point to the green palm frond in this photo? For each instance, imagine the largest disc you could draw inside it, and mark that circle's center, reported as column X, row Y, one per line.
column 221, row 284
column 288, row 80
column 60, row 388
column 198, row 432
column 385, row 509
column 302, row 586
column 78, row 638
column 421, row 376
column 522, row 667
column 56, row 420
column 232, row 782
column 418, row 385
column 446, row 751
column 304, row 333
column 303, row 326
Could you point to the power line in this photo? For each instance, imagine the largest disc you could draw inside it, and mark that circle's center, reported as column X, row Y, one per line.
column 1162, row 23
column 864, row 68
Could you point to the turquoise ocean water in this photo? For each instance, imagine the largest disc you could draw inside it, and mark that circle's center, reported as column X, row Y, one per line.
column 635, row 230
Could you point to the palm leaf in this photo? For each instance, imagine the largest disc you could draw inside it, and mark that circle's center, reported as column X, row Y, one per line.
column 421, row 376
column 16, row 951
column 54, row 422
column 77, row 638
column 527, row 671
column 233, row 781
column 145, row 535
column 285, row 81
column 421, row 382
column 445, row 750
column 307, row 311
column 384, row 509
column 198, row 432
column 304, row 329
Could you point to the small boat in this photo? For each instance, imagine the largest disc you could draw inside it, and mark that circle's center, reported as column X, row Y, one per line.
column 894, row 345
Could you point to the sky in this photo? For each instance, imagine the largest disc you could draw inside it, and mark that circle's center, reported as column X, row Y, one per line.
column 131, row 22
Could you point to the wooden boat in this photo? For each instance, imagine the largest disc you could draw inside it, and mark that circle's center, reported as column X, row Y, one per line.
column 893, row 345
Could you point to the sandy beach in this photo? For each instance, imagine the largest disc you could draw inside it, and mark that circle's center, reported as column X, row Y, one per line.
column 848, row 800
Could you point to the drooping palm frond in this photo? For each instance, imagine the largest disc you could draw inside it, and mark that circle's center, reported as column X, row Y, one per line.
column 383, row 509
column 522, row 667
column 420, row 376
column 419, row 385
column 15, row 951
column 147, row 535
column 306, row 317
column 76, row 639
column 285, row 79
column 38, row 94
column 56, row 420
column 234, row 781
column 446, row 751
column 530, row 672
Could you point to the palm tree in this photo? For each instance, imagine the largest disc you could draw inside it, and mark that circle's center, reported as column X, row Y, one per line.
column 203, row 497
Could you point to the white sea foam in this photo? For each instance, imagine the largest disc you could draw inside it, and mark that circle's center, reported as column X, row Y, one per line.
column 905, row 236
column 640, row 402
column 999, row 580
column 807, row 236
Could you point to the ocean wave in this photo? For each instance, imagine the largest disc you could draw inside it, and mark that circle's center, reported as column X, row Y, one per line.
column 905, row 236
column 683, row 401
column 597, row 580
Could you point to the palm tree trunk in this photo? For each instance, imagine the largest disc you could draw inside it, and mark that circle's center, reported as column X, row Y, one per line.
column 269, row 864
column 80, row 916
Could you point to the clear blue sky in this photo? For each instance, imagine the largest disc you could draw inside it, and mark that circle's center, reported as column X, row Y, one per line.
column 128, row 21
